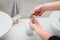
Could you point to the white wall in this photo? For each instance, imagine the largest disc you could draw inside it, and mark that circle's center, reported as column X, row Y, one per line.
column 25, row 6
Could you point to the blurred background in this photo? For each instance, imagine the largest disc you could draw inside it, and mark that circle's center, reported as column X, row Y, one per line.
column 24, row 6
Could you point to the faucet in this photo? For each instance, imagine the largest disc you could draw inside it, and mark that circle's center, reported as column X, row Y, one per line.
column 15, row 12
column 15, row 9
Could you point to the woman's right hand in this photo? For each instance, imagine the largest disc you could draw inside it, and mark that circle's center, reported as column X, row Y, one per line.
column 39, row 10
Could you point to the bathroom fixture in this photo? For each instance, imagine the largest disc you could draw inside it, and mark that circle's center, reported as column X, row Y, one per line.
column 55, row 22
column 5, row 23
column 15, row 10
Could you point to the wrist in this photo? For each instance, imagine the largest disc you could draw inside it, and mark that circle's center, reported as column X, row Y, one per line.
column 43, row 34
column 38, row 29
column 46, row 7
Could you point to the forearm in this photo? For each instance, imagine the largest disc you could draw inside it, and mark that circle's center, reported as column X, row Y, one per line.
column 52, row 6
column 43, row 34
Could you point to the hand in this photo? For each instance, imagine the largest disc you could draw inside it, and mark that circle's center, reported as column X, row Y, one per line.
column 35, row 25
column 39, row 10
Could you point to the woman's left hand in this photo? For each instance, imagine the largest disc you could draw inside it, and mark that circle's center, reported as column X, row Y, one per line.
column 35, row 25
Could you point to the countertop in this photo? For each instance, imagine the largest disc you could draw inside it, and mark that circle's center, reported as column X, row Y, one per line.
column 18, row 31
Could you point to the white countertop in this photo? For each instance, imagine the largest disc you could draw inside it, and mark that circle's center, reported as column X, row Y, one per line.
column 18, row 32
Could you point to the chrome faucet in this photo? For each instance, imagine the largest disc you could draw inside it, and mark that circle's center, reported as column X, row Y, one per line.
column 15, row 9
column 15, row 12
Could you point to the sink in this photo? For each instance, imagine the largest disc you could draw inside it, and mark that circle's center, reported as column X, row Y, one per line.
column 5, row 23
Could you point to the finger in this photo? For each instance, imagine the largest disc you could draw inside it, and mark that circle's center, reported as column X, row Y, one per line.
column 37, row 13
column 41, row 12
column 30, row 23
column 35, row 21
column 31, row 20
column 33, row 12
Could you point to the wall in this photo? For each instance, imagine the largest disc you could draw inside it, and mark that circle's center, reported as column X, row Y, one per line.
column 25, row 6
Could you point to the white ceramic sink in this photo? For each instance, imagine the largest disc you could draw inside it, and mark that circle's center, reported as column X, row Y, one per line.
column 5, row 23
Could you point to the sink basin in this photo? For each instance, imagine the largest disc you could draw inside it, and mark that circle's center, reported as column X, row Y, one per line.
column 5, row 23
column 55, row 22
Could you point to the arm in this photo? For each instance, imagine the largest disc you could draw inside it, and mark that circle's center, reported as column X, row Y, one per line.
column 43, row 34
column 40, row 9
column 53, row 6
column 39, row 30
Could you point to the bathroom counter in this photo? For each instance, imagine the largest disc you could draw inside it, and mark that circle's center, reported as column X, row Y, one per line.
column 18, row 32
